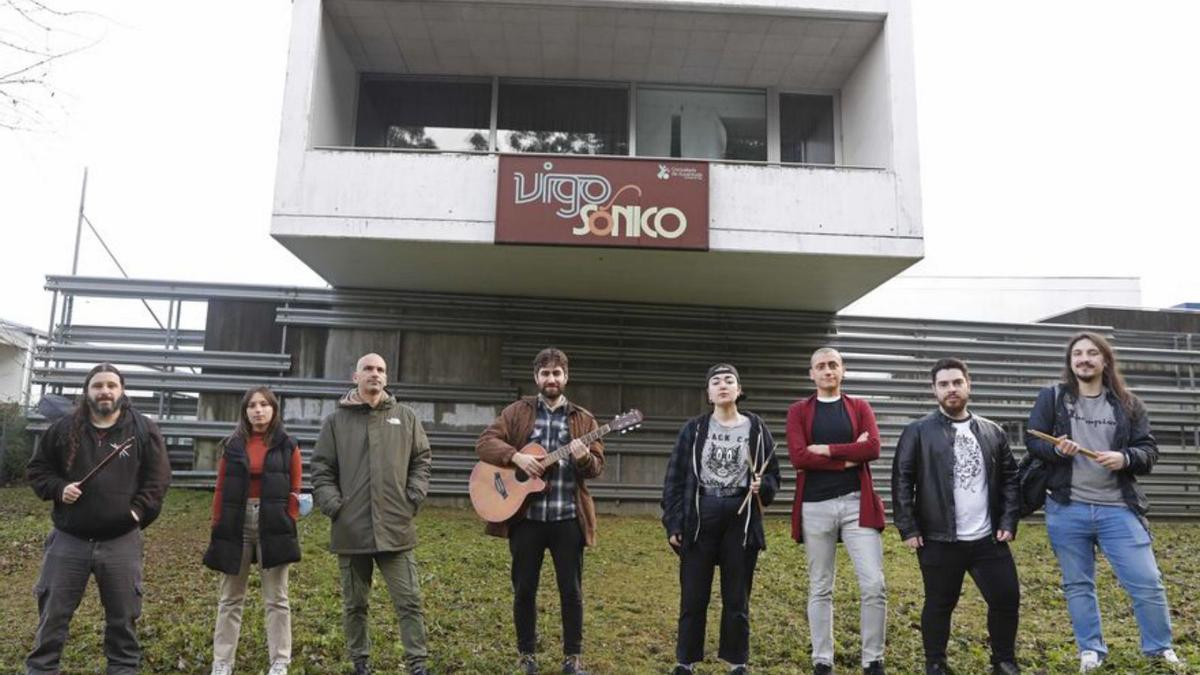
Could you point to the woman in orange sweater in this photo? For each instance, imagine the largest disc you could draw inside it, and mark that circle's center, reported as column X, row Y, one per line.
column 254, row 519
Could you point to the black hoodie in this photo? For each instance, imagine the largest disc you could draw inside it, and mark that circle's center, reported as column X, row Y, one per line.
column 134, row 481
column 681, row 492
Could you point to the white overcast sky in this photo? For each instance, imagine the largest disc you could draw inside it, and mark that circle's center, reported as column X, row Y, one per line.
column 1056, row 138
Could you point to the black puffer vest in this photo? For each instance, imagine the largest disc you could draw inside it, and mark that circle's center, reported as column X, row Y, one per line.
column 276, row 529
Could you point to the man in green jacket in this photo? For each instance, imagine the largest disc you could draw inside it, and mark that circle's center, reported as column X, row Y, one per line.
column 370, row 473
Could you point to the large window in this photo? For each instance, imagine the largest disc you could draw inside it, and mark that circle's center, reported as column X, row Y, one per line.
column 486, row 115
column 806, row 128
column 675, row 122
column 564, row 119
column 426, row 115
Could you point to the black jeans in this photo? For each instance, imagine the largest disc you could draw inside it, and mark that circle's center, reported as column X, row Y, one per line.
column 719, row 544
column 991, row 565
column 528, row 541
column 66, row 566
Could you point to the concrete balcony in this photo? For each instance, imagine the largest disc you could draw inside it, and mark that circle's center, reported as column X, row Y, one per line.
column 780, row 236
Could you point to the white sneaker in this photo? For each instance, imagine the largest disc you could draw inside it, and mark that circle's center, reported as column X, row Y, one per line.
column 1089, row 660
column 1169, row 657
column 222, row 668
column 278, row 668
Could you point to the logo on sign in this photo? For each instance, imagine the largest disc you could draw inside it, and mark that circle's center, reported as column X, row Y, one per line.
column 591, row 200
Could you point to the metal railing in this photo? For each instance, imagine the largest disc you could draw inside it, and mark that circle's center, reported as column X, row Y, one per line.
column 631, row 347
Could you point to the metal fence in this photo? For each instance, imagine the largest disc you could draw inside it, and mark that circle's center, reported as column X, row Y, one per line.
column 628, row 349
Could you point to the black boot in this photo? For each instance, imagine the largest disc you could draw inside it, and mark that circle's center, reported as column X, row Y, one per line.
column 572, row 665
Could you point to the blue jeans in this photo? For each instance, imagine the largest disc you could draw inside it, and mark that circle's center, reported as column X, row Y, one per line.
column 1075, row 529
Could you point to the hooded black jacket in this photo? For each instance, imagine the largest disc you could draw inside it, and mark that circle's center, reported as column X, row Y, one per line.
column 681, row 494
column 134, row 481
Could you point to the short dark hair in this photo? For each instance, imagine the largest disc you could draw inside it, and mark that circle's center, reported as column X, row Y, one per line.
column 548, row 358
column 948, row 363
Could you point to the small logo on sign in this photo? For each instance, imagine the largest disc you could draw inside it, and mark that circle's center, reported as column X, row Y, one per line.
column 663, row 174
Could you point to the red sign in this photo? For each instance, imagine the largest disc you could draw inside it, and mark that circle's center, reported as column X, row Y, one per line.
column 593, row 201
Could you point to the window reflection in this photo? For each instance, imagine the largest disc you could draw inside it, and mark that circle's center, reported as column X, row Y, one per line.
column 423, row 115
column 701, row 124
column 563, row 119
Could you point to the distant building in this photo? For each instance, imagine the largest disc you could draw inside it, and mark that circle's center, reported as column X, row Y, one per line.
column 993, row 298
column 16, row 360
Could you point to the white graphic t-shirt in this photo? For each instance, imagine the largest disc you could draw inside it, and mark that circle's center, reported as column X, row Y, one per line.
column 971, row 514
column 724, row 460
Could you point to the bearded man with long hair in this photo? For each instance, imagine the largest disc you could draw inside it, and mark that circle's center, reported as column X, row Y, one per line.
column 1104, row 444
column 98, row 523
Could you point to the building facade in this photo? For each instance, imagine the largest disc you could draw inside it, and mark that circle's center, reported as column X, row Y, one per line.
column 756, row 153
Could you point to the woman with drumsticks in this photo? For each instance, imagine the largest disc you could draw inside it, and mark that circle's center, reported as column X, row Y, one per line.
column 722, row 474
column 254, row 516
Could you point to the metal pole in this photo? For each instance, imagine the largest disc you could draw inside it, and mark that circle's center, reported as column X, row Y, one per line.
column 50, row 336
column 79, row 224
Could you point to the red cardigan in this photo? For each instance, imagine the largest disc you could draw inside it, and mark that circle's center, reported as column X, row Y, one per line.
column 799, row 432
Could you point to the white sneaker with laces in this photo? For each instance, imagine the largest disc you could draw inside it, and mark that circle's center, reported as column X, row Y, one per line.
column 1089, row 660
column 278, row 668
column 1170, row 657
column 222, row 668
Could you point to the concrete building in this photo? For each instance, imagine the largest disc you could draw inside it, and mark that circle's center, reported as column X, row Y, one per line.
column 770, row 148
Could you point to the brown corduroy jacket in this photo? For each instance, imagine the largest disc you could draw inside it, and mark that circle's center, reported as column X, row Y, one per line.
column 510, row 431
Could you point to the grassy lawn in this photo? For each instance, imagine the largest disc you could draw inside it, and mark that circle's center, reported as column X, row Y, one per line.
column 631, row 596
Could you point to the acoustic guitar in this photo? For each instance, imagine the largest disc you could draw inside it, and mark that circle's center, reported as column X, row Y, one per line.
column 498, row 492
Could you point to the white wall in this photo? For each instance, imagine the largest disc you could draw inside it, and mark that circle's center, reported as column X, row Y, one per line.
column 452, row 197
column 335, row 92
column 12, row 372
column 866, row 115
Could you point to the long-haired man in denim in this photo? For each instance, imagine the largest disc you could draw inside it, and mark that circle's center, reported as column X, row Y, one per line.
column 1095, row 499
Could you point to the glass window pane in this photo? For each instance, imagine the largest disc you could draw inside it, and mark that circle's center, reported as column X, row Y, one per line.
column 806, row 128
column 701, row 124
column 573, row 120
column 433, row 115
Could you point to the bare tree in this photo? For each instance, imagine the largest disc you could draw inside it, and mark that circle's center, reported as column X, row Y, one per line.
column 34, row 36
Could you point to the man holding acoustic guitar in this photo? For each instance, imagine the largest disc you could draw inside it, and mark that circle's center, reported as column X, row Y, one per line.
column 562, row 518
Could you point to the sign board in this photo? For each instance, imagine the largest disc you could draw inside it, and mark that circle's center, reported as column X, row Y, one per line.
column 595, row 201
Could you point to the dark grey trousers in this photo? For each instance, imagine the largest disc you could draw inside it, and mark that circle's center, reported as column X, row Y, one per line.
column 66, row 566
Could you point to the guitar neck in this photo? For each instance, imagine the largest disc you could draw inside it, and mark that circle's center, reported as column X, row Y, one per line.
column 565, row 451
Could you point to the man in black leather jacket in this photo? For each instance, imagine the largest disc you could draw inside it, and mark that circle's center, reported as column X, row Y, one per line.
column 956, row 503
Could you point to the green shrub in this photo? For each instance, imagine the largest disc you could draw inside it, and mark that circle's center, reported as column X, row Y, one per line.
column 15, row 443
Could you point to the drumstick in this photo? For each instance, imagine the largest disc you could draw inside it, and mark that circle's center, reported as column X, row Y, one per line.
column 1090, row 454
column 757, row 497
column 117, row 450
